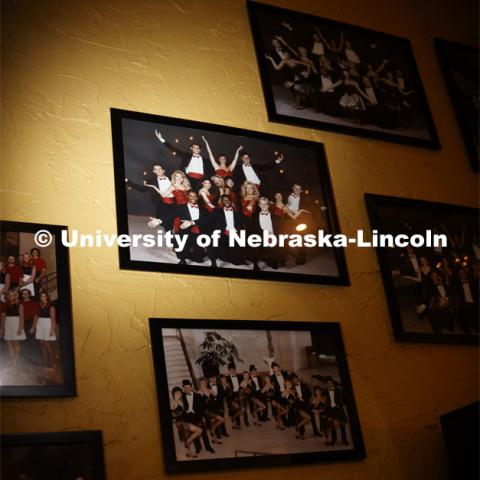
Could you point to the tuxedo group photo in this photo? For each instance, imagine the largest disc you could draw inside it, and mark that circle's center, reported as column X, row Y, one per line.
column 191, row 182
column 252, row 393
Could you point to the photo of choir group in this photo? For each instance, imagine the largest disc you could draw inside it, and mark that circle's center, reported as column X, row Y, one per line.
column 434, row 289
column 191, row 181
column 330, row 75
column 33, row 312
column 254, row 393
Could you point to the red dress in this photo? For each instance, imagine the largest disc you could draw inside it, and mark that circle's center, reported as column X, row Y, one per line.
column 30, row 309
column 277, row 211
column 180, row 196
column 16, row 273
column 39, row 264
column 246, row 211
column 222, row 172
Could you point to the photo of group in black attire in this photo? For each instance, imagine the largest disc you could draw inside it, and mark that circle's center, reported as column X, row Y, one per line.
column 191, row 182
column 326, row 74
column 253, row 393
column 432, row 289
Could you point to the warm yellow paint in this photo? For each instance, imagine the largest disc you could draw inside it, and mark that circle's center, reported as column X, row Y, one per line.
column 65, row 63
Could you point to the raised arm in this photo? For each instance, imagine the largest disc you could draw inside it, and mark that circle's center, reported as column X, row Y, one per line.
column 171, row 147
column 382, row 66
column 235, row 159
column 275, row 66
column 215, row 165
column 280, row 39
column 324, row 40
column 342, row 41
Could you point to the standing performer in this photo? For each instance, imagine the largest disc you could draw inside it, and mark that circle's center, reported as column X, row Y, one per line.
column 11, row 327
column 30, row 313
column 192, row 163
column 221, row 168
column 45, row 328
column 14, row 273
column 29, row 274
column 335, row 412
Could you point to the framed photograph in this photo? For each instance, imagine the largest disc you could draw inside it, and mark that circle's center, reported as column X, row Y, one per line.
column 319, row 73
column 460, row 68
column 36, row 346
column 181, row 182
column 56, row 456
column 432, row 289
column 235, row 394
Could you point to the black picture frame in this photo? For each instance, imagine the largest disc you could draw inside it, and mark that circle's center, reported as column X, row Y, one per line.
column 460, row 68
column 327, row 330
column 322, row 184
column 66, row 362
column 89, row 445
column 263, row 16
column 393, row 289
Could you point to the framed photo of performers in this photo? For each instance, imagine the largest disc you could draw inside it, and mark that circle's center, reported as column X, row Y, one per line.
column 323, row 74
column 36, row 346
column 54, row 455
column 183, row 182
column 432, row 291
column 460, row 68
column 235, row 394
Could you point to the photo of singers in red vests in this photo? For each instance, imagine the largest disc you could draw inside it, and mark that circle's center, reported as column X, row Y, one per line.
column 29, row 323
column 190, row 181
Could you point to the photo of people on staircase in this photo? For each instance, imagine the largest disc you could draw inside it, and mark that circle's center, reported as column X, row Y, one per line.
column 250, row 393
column 29, row 324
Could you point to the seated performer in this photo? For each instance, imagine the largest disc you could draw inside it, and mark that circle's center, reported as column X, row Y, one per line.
column 236, row 397
column 335, row 411
column 192, row 162
column 221, row 167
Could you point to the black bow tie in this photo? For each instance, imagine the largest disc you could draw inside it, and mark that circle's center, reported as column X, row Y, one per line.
column 189, row 394
column 196, row 156
column 228, row 209
column 193, row 206
column 246, row 165
column 263, row 213
column 162, row 178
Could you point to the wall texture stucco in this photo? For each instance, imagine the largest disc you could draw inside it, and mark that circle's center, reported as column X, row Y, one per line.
column 64, row 64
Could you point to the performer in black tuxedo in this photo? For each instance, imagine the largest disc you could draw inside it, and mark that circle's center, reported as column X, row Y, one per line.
column 193, row 405
column 258, row 384
column 278, row 378
column 227, row 220
column 466, row 301
column 236, row 399
column 190, row 220
column 163, row 205
column 255, row 173
column 303, row 407
column 436, row 304
column 262, row 220
column 192, row 162
column 335, row 411
column 218, row 392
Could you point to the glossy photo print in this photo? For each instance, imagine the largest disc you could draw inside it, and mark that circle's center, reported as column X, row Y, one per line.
column 36, row 347
column 323, row 74
column 238, row 394
column 432, row 291
column 184, row 181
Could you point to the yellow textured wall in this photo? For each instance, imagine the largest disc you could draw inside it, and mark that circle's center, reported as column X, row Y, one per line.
column 65, row 63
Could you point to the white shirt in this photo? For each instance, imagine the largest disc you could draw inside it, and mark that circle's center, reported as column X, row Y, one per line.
column 250, row 174
column 194, row 211
column 255, row 381
column 293, row 203
column 163, row 185
column 318, row 48
column 298, row 388
column 266, row 221
column 195, row 165
column 331, row 394
column 414, row 261
column 352, row 56
column 327, row 84
column 236, row 386
column 214, row 389
column 281, row 381
column 229, row 219
column 467, row 292
column 190, row 402
column 371, row 95
column 442, row 291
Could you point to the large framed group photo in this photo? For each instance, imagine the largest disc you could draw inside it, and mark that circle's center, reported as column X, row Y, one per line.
column 184, row 180
column 432, row 291
column 36, row 340
column 236, row 394
column 324, row 74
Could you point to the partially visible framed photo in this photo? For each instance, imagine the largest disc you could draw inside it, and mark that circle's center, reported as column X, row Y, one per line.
column 36, row 345
column 432, row 291
column 55, row 455
column 460, row 67
column 186, row 180
column 235, row 394
column 319, row 73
